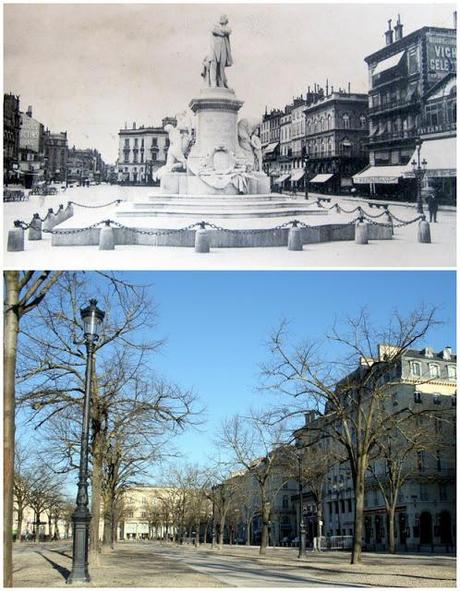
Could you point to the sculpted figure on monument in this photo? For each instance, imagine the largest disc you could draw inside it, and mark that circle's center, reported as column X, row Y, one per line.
column 175, row 160
column 220, row 56
column 257, row 149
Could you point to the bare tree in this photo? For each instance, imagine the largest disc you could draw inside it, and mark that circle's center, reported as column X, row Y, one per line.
column 21, row 486
column 414, row 435
column 252, row 446
column 350, row 393
column 24, row 291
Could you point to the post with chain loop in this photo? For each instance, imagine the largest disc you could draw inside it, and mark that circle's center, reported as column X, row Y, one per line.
column 202, row 238
column 295, row 237
column 50, row 220
column 16, row 238
column 59, row 215
column 424, row 233
column 106, row 238
column 35, row 228
column 361, row 231
column 69, row 210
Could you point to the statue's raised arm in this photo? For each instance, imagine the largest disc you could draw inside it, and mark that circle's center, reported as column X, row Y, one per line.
column 220, row 56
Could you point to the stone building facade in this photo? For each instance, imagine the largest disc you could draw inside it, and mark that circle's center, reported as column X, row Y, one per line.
column 56, row 154
column 31, row 149
column 11, row 128
column 141, row 152
column 336, row 132
column 425, row 513
column 401, row 74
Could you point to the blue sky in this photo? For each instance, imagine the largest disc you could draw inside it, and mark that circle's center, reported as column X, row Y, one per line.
column 217, row 323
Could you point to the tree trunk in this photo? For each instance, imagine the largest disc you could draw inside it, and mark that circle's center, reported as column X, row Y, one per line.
column 391, row 529
column 221, row 531
column 50, row 525
column 197, row 534
column 265, row 524
column 19, row 526
column 248, row 532
column 107, row 534
column 359, row 512
column 319, row 516
column 10, row 343
column 94, row 547
column 37, row 528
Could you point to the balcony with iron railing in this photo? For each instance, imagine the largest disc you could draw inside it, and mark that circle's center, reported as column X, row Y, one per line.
column 396, row 105
column 394, row 136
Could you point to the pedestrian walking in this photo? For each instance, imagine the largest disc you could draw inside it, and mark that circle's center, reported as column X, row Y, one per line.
column 432, row 203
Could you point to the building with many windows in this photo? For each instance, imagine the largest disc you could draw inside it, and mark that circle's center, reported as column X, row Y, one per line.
column 141, row 152
column 11, row 127
column 422, row 384
column 336, row 132
column 401, row 77
column 31, row 149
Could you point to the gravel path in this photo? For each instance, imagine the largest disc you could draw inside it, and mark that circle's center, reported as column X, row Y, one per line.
column 160, row 565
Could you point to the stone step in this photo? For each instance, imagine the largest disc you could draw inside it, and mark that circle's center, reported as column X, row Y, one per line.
column 211, row 206
column 221, row 198
column 207, row 214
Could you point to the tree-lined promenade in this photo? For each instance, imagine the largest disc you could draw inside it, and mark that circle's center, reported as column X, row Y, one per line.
column 374, row 411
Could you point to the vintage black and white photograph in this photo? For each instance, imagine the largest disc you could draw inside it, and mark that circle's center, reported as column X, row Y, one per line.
column 230, row 136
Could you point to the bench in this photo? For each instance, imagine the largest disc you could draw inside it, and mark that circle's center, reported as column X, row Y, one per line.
column 14, row 195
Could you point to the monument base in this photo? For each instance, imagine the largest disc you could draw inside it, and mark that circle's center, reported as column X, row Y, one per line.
column 182, row 183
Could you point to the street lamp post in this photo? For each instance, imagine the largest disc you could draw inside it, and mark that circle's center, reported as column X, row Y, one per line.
column 302, row 544
column 92, row 319
column 419, row 170
column 305, row 159
column 213, row 541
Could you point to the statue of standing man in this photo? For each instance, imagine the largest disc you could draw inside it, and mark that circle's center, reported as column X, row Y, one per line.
column 220, row 56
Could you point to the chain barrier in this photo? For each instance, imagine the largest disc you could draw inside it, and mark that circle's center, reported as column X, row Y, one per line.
column 399, row 225
column 117, row 201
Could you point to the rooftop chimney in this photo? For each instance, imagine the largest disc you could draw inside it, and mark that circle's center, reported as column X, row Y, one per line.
column 29, row 111
column 349, row 88
column 389, row 34
column 134, row 125
column 447, row 353
column 455, row 19
column 398, row 29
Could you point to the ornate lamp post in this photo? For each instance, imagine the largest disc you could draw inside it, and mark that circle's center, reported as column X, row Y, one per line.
column 419, row 172
column 92, row 319
column 302, row 545
column 305, row 159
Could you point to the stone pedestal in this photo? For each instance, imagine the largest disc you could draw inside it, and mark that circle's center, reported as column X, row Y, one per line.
column 216, row 112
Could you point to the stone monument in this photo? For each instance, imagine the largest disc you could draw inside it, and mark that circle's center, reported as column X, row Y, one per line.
column 217, row 154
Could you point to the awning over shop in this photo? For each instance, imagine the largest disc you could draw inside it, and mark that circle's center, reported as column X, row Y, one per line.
column 297, row 175
column 281, row 179
column 321, row 178
column 390, row 62
column 380, row 175
column 270, row 148
column 440, row 156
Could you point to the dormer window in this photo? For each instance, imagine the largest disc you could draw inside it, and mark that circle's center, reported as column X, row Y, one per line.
column 452, row 372
column 429, row 352
column 434, row 370
column 416, row 368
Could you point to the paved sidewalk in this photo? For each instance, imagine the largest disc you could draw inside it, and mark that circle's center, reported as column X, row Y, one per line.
column 153, row 564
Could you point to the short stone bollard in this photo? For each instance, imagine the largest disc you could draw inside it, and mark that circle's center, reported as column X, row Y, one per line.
column 424, row 233
column 59, row 215
column 68, row 212
column 16, row 239
column 106, row 238
column 361, row 233
column 35, row 228
column 295, row 239
column 201, row 240
column 49, row 222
